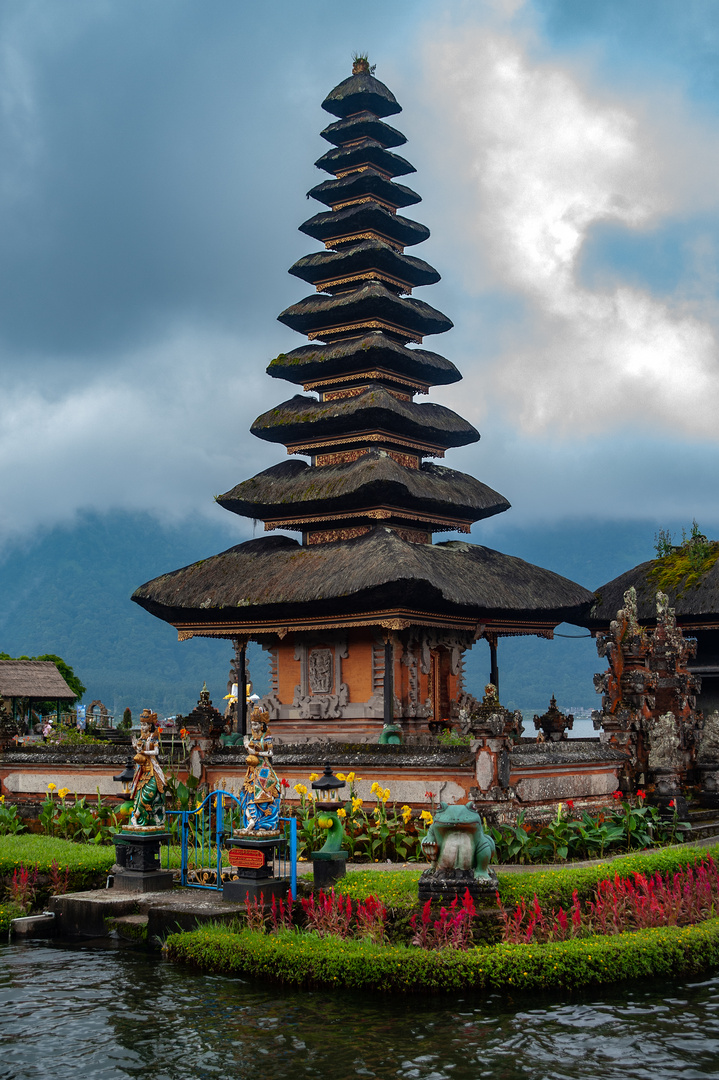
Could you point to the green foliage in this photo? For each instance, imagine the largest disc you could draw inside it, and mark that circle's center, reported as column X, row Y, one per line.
column 453, row 738
column 681, row 567
column 9, row 910
column 310, row 961
column 586, row 837
column 126, row 719
column 10, row 823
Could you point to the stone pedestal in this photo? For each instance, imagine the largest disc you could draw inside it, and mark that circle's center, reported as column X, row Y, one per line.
column 668, row 790
column 452, row 884
column 253, row 860
column 708, row 773
column 137, row 855
column 328, row 867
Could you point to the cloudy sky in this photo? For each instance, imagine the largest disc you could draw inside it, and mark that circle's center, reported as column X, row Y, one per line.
column 154, row 159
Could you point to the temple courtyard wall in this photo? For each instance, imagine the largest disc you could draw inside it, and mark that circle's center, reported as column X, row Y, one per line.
column 531, row 777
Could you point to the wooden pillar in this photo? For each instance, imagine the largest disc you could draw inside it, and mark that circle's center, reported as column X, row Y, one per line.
column 494, row 669
column 241, row 649
column 388, row 680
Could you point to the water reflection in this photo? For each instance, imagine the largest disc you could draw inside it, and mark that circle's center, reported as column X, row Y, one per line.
column 106, row 1014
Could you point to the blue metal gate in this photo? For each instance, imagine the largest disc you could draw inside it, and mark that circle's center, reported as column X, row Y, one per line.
column 202, row 835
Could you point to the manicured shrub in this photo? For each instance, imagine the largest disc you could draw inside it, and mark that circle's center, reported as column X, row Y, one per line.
column 310, row 961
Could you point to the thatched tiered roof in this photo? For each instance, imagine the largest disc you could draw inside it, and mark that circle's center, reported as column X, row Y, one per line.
column 368, row 306
column 361, row 93
column 303, row 419
column 373, row 481
column 367, row 354
column 365, row 152
column 275, row 582
column 361, row 221
column 363, row 125
column 356, row 185
column 366, row 438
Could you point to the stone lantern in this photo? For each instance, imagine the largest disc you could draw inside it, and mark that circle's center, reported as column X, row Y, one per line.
column 329, row 864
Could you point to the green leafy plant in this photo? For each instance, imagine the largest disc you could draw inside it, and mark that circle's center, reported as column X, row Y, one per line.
column 10, row 823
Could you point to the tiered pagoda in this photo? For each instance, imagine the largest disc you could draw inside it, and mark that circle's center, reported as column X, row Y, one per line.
column 366, row 618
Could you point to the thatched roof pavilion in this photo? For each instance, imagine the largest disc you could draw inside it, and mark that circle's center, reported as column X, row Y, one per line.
column 32, row 680
column 364, row 616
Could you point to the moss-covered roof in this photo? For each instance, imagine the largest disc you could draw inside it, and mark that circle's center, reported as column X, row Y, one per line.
column 692, row 585
column 373, row 350
column 370, row 300
column 303, row 419
column 375, row 479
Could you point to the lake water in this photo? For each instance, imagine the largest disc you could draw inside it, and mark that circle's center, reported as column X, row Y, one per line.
column 94, row 1012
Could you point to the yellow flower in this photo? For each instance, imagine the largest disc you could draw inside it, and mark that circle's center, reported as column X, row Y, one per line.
column 342, row 813
column 406, row 813
column 300, row 789
column 385, row 795
column 314, row 776
column 2, row 800
column 51, row 787
column 340, row 776
column 426, row 816
column 356, row 803
column 350, row 777
column 63, row 792
column 375, row 787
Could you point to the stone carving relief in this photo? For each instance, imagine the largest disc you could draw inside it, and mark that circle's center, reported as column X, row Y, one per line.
column 319, row 666
column 320, row 673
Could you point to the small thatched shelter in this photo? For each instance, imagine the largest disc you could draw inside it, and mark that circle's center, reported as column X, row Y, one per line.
column 32, row 681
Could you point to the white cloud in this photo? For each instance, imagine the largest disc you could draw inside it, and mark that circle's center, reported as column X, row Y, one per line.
column 545, row 159
column 164, row 433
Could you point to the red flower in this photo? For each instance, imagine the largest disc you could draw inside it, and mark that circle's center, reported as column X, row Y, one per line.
column 429, row 795
column 672, row 803
column 641, row 794
column 616, row 794
column 570, row 804
column 285, row 783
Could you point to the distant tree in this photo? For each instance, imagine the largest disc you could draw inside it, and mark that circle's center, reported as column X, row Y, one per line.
column 65, row 670
column 127, row 718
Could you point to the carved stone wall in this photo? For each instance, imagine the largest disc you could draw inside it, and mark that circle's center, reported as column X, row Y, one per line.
column 649, row 695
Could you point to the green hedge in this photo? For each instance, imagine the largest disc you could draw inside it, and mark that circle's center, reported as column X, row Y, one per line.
column 89, row 863
column 306, row 960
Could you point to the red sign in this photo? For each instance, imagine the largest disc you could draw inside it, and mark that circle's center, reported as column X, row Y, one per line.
column 248, row 857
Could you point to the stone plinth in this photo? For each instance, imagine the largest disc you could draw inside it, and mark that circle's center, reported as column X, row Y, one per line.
column 448, row 885
column 328, row 867
column 137, row 856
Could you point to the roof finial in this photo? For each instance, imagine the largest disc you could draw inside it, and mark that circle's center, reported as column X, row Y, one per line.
column 361, row 65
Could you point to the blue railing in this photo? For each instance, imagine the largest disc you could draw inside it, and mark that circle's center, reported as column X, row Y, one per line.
column 202, row 842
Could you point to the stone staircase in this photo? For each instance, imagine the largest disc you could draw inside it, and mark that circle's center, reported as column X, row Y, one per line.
column 704, row 823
